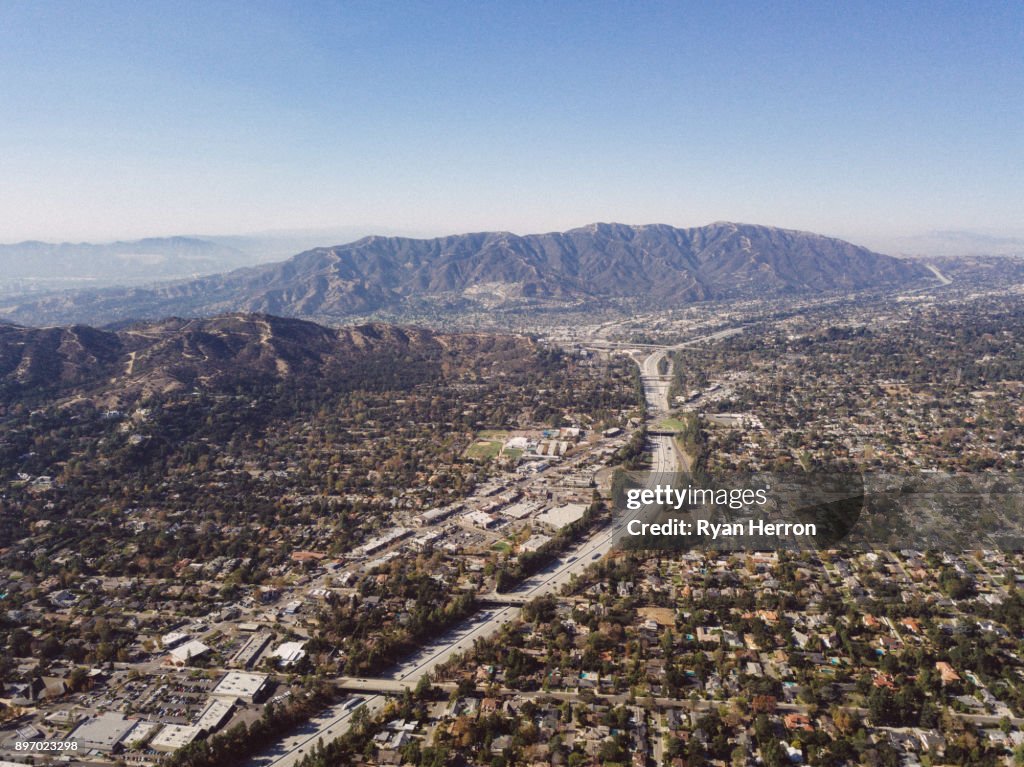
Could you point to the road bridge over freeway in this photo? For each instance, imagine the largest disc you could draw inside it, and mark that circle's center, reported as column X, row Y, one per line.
column 383, row 685
column 502, row 599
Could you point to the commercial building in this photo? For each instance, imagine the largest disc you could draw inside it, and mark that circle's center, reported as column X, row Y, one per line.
column 175, row 736
column 105, row 732
column 481, row 519
column 534, row 542
column 433, row 516
column 241, row 685
column 250, row 651
column 563, row 515
column 184, row 654
column 376, row 544
column 290, row 653
column 215, row 715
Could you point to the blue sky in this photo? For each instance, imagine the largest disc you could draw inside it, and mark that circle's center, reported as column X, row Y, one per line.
column 861, row 119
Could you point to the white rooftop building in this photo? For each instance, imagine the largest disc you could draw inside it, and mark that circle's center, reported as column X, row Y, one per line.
column 105, row 732
column 175, row 736
column 242, row 685
column 290, row 652
column 184, row 654
column 534, row 542
column 480, row 519
column 563, row 515
column 215, row 715
column 167, row 641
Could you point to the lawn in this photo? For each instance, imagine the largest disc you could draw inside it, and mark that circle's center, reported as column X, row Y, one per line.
column 484, row 449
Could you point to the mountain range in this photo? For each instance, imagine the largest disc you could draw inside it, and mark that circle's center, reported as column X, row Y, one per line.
column 224, row 352
column 53, row 264
column 655, row 265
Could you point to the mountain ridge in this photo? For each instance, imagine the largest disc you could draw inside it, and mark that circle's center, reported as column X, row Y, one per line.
column 656, row 263
column 219, row 353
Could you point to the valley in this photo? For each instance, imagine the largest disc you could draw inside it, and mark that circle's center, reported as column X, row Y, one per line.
column 353, row 521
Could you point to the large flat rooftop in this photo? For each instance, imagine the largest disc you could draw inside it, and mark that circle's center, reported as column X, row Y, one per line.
column 240, row 684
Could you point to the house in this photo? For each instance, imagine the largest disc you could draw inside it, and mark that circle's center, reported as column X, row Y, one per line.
column 946, row 672
column 62, row 599
column 884, row 680
column 710, row 634
column 489, row 706
column 911, row 624
column 797, row 722
column 39, row 689
column 932, row 742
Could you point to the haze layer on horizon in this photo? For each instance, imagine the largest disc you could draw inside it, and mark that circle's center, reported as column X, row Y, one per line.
column 130, row 120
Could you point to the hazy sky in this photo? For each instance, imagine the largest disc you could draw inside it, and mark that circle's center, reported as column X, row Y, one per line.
column 133, row 119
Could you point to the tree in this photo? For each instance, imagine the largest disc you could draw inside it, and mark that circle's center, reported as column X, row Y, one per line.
column 764, row 704
column 79, row 679
column 424, row 689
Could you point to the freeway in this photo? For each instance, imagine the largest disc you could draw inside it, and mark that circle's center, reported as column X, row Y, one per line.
column 943, row 279
column 649, row 367
column 329, row 724
column 335, row 721
column 664, row 460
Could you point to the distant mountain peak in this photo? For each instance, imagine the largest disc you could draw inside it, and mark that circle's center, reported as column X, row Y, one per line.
column 52, row 265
